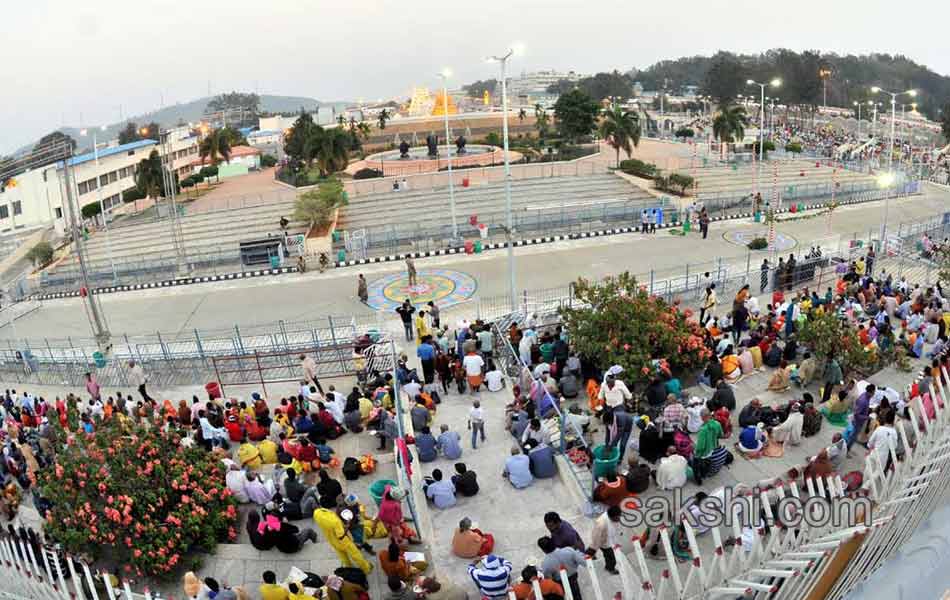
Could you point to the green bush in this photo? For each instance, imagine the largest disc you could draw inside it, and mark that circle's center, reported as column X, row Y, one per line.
column 316, row 206
column 91, row 210
column 633, row 166
column 674, row 183
column 493, row 139
column 188, row 182
column 40, row 254
column 268, row 160
column 132, row 194
column 685, row 132
column 367, row 174
column 208, row 172
column 759, row 243
column 793, row 147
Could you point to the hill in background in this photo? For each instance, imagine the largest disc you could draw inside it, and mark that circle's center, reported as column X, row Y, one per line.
column 193, row 111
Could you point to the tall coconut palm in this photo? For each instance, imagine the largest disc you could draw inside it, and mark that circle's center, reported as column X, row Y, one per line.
column 216, row 147
column 729, row 124
column 330, row 148
column 621, row 129
column 383, row 117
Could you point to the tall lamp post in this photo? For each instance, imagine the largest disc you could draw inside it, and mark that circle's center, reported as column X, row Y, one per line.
column 102, row 208
column 889, row 179
column 858, row 105
column 503, row 61
column 444, row 75
column 776, row 82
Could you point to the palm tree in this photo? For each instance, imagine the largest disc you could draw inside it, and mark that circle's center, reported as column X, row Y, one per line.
column 729, row 124
column 341, row 120
column 621, row 129
column 522, row 115
column 541, row 121
column 330, row 148
column 383, row 117
column 148, row 175
column 216, row 147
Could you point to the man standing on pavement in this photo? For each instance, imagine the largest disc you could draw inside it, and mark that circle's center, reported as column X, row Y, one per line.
column 704, row 222
column 309, row 368
column 434, row 315
column 555, row 558
column 405, row 313
column 606, row 536
column 138, row 378
column 411, row 271
column 764, row 277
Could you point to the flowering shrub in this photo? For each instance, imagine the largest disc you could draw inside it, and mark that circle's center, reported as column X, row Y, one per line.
column 134, row 497
column 627, row 326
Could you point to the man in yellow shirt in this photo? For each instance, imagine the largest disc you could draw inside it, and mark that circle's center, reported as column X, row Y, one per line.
column 271, row 590
column 268, row 450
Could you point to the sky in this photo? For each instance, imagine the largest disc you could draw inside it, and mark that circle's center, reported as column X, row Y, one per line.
column 76, row 63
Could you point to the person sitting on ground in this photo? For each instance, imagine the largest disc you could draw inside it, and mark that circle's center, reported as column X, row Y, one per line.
column 752, row 439
column 263, row 537
column 518, row 469
column 426, row 445
column 290, row 539
column 270, row 589
column 811, row 418
column 751, row 413
column 673, row 470
column 781, row 378
column 693, row 419
column 731, row 370
column 524, row 590
column 465, row 481
column 791, row 429
column 441, row 492
column 541, row 460
column 329, row 490
column 637, row 475
column 723, row 396
column 392, row 560
column 820, row 466
column 612, row 490
column 807, row 370
column 469, row 542
column 449, row 443
column 398, row 590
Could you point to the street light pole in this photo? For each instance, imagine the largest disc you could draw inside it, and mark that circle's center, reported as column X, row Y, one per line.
column 510, row 228
column 445, row 74
column 890, row 155
column 102, row 208
column 774, row 83
column 858, row 104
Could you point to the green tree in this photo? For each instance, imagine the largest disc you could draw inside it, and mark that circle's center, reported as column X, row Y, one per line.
column 88, row 211
column 316, row 206
column 729, row 124
column 296, row 141
column 216, row 147
column 234, row 137
column 575, row 114
column 725, row 78
column 129, row 133
column 41, row 254
column 478, row 88
column 945, row 121
column 330, row 148
column 383, row 117
column 53, row 139
column 828, row 337
column 621, row 129
column 542, row 122
column 622, row 324
column 148, row 176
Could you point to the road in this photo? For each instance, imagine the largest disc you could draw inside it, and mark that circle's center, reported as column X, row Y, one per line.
column 315, row 295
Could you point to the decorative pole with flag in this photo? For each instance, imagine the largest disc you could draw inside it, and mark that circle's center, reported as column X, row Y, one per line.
column 834, row 200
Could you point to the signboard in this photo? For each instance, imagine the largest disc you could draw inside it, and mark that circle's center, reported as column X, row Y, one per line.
column 296, row 244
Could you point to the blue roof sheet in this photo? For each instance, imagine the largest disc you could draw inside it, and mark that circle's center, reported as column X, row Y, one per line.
column 264, row 132
column 89, row 156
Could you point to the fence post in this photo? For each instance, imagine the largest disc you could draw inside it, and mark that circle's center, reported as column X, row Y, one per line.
column 651, row 281
column 336, row 345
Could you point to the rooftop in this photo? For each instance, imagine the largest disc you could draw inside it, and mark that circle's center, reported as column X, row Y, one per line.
column 105, row 152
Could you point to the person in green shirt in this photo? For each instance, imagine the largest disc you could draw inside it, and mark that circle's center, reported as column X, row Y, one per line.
column 547, row 349
column 707, row 443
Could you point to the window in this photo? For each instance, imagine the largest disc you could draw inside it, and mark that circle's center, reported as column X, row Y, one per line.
column 104, row 179
column 83, row 187
column 113, row 177
column 59, row 212
column 4, row 211
column 17, row 208
column 92, row 184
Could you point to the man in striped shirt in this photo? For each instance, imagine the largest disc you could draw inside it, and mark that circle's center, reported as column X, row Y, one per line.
column 673, row 415
column 491, row 574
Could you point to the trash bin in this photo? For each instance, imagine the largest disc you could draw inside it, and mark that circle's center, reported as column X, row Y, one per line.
column 758, row 216
column 379, row 486
column 336, row 235
column 473, row 220
column 687, row 226
column 483, row 230
column 99, row 359
column 274, row 262
column 478, row 246
column 469, row 247
column 605, row 460
column 465, row 182
column 793, row 208
column 214, row 390
column 341, row 256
